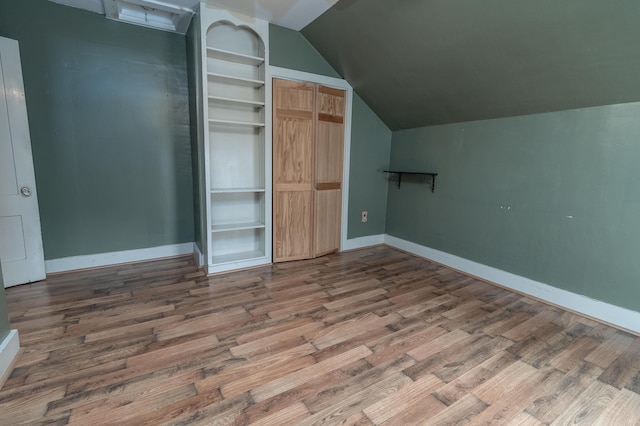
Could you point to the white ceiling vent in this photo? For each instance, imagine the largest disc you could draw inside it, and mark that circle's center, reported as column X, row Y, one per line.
column 151, row 13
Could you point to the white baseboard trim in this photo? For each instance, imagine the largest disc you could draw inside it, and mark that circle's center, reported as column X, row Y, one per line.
column 611, row 314
column 9, row 348
column 361, row 242
column 114, row 258
column 198, row 256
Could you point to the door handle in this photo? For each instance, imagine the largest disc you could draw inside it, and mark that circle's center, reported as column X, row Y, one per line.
column 25, row 191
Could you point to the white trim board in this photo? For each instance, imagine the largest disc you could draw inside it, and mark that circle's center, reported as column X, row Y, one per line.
column 117, row 257
column 198, row 256
column 9, row 348
column 287, row 74
column 362, row 242
column 602, row 311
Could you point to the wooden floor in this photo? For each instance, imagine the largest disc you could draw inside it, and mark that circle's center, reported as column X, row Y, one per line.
column 373, row 336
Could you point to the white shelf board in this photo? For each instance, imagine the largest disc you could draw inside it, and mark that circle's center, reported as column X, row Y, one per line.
column 235, row 123
column 235, row 257
column 237, row 227
column 236, row 190
column 228, row 55
column 221, row 99
column 233, row 79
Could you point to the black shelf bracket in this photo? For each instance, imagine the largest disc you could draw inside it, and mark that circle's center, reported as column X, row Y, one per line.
column 400, row 173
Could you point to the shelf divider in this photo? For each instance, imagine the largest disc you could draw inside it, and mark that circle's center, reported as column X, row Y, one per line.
column 237, row 227
column 228, row 55
column 234, row 123
column 236, row 190
column 257, row 104
column 239, row 80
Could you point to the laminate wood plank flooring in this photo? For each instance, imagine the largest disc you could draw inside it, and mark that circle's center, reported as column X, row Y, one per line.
column 369, row 337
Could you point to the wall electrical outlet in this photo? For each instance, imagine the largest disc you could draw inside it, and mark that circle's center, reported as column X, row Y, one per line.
column 365, row 216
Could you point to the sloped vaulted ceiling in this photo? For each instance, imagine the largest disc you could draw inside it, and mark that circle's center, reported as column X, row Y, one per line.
column 425, row 62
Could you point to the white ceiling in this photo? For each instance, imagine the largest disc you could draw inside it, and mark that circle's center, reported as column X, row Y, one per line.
column 294, row 14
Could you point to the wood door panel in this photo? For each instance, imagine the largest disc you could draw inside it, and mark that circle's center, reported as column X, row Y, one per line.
column 327, row 226
column 293, row 150
column 331, row 102
column 293, row 170
column 293, row 225
column 292, row 95
column 329, row 152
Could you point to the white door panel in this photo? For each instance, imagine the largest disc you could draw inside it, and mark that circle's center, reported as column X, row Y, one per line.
column 20, row 237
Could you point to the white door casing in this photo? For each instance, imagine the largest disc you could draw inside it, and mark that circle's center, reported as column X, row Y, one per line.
column 20, row 236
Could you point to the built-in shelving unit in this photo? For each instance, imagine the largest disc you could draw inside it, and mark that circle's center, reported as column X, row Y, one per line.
column 399, row 174
column 237, row 139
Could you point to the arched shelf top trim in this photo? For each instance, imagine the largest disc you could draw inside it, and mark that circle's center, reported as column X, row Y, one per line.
column 239, row 38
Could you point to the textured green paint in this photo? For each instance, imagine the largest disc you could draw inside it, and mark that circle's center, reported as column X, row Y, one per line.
column 370, row 138
column 109, row 120
column 4, row 311
column 418, row 63
column 196, row 114
column 553, row 197
column 370, row 146
column 289, row 49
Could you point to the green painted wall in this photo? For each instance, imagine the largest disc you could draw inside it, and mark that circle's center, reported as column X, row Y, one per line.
column 289, row 49
column 370, row 138
column 4, row 311
column 109, row 120
column 553, row 197
column 370, row 148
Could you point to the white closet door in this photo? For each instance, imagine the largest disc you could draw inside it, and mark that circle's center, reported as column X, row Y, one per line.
column 20, row 237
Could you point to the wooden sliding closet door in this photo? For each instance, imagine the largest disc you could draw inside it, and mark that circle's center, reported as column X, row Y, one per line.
column 308, row 147
column 293, row 174
column 330, row 110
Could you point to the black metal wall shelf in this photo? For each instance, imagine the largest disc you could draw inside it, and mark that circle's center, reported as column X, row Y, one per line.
column 400, row 173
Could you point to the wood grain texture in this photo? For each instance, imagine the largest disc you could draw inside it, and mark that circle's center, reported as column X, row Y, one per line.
column 368, row 337
column 331, row 101
column 328, row 216
column 330, row 185
column 329, row 153
column 308, row 150
column 292, row 225
column 293, row 170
